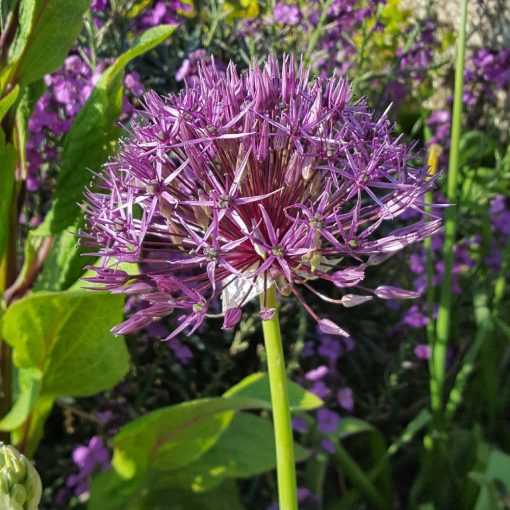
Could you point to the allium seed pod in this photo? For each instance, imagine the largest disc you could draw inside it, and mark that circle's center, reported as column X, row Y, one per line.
column 244, row 181
column 20, row 485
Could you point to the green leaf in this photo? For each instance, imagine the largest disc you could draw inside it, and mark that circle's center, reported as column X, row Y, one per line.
column 350, row 426
column 28, row 98
column 245, row 449
column 496, row 475
column 8, row 101
column 110, row 492
column 8, row 159
column 175, row 436
column 226, row 496
column 257, row 386
column 65, row 336
column 48, row 30
column 29, row 389
column 65, row 263
column 91, row 138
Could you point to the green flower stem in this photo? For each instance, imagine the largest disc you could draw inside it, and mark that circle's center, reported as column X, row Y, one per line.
column 440, row 345
column 285, row 466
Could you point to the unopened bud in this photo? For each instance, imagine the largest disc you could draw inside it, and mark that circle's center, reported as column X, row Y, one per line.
column 20, row 484
column 232, row 317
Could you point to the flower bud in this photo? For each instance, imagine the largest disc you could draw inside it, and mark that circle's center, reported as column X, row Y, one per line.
column 328, row 327
column 20, row 485
column 350, row 300
column 232, row 317
column 387, row 292
column 348, row 277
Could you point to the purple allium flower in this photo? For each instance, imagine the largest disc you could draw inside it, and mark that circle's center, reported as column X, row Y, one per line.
column 245, row 181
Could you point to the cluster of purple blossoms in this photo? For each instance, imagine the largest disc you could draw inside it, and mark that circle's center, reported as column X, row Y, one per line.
column 344, row 18
column 67, row 90
column 245, row 181
column 488, row 71
column 415, row 60
column 89, row 459
column 167, row 12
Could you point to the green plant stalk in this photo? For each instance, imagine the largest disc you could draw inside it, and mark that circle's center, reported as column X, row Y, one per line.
column 285, row 465
column 355, row 474
column 440, row 344
column 312, row 42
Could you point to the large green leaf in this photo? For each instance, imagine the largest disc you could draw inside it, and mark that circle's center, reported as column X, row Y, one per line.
column 48, row 30
column 65, row 336
column 110, row 492
column 91, row 138
column 257, row 386
column 245, row 449
column 175, row 436
column 8, row 159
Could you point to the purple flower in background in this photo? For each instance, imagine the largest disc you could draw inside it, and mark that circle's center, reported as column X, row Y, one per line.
column 299, row 424
column 487, row 72
column 89, row 458
column 67, row 90
column 286, row 14
column 317, row 373
column 345, row 399
column 327, row 421
column 245, row 181
column 422, row 351
column 99, row 5
column 414, row 318
column 163, row 12
column 327, row 445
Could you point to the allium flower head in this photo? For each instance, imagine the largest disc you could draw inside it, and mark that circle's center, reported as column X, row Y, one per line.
column 244, row 181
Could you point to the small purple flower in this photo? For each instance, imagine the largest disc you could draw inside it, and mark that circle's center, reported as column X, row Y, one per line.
column 286, row 14
column 299, row 424
column 245, row 181
column 133, row 84
column 99, row 5
column 327, row 421
column 422, row 351
column 317, row 373
column 328, row 446
column 345, row 399
column 181, row 351
column 89, row 458
column 414, row 318
column 320, row 389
